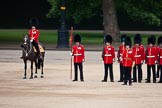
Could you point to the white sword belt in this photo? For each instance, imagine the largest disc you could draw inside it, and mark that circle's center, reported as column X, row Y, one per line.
column 107, row 55
column 77, row 54
column 150, row 56
column 137, row 56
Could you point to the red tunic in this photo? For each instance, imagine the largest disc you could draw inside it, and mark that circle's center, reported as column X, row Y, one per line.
column 138, row 54
column 151, row 55
column 160, row 56
column 34, row 34
column 120, row 52
column 78, row 53
column 128, row 58
column 108, row 54
column 143, row 52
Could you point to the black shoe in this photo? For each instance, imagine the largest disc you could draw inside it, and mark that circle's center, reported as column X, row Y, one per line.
column 160, row 82
column 134, row 81
column 139, row 82
column 124, row 84
column 21, row 57
column 82, row 80
column 120, row 81
column 75, row 80
column 130, row 84
column 147, row 82
column 112, row 81
column 103, row 81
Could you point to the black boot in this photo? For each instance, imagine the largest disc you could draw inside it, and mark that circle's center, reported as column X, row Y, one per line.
column 38, row 53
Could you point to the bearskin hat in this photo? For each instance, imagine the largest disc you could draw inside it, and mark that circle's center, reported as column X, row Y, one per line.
column 123, row 38
column 137, row 39
column 128, row 41
column 77, row 38
column 34, row 22
column 151, row 40
column 108, row 38
column 159, row 40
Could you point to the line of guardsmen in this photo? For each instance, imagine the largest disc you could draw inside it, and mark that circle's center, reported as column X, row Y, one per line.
column 129, row 58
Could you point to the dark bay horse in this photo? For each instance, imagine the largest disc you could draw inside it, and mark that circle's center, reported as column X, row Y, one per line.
column 28, row 53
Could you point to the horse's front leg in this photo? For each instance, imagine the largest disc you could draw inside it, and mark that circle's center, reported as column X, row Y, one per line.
column 31, row 77
column 42, row 65
column 25, row 67
column 36, row 64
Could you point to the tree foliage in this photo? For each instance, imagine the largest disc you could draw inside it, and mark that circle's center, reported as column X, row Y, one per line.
column 147, row 11
column 76, row 9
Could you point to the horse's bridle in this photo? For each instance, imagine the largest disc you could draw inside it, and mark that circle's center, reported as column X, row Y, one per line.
column 26, row 43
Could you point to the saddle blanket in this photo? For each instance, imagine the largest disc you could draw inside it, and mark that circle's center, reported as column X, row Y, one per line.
column 40, row 48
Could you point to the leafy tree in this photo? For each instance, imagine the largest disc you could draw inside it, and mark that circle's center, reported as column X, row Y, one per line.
column 146, row 11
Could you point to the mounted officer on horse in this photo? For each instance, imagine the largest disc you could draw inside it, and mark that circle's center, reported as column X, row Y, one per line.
column 31, row 49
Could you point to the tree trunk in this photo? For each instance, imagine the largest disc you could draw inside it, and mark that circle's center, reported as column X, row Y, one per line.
column 110, row 19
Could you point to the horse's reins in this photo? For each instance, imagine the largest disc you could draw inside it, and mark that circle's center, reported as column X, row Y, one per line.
column 29, row 49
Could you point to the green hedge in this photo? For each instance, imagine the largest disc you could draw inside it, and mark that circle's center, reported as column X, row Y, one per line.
column 50, row 37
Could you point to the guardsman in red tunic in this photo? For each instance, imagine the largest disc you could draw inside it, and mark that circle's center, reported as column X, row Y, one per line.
column 151, row 58
column 108, row 56
column 33, row 35
column 160, row 57
column 158, row 50
column 119, row 55
column 138, row 50
column 128, row 61
column 79, row 58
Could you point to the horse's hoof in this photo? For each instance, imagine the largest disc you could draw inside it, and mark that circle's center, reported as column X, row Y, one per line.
column 42, row 76
column 35, row 76
column 24, row 77
column 31, row 77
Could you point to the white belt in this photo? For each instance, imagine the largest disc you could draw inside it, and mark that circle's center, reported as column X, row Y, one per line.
column 121, row 54
column 77, row 54
column 137, row 56
column 108, row 55
column 160, row 56
column 150, row 56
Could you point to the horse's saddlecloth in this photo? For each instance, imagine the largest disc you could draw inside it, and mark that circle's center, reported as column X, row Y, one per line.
column 40, row 48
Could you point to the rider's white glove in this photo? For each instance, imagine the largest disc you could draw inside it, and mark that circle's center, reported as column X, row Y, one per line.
column 31, row 40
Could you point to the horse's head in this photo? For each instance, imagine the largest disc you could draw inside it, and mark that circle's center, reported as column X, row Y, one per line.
column 26, row 43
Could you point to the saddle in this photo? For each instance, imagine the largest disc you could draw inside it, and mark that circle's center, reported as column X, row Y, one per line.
column 40, row 48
